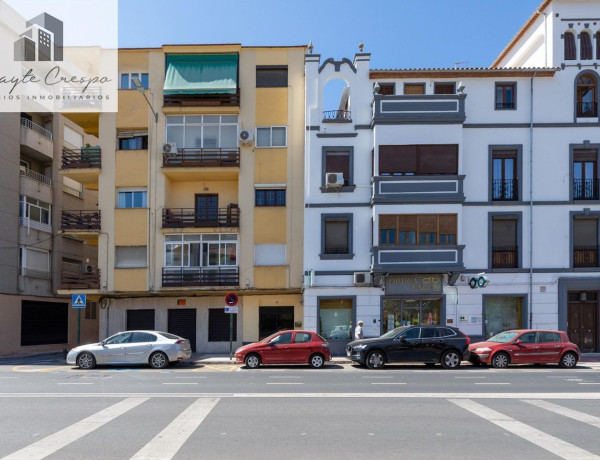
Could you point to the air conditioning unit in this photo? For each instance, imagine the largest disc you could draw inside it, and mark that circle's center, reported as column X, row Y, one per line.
column 87, row 268
column 245, row 136
column 334, row 180
column 169, row 148
column 362, row 278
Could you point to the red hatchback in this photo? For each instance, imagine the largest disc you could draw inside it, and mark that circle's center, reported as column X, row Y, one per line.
column 526, row 346
column 286, row 347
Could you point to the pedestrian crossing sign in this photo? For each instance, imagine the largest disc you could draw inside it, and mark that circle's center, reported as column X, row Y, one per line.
column 78, row 300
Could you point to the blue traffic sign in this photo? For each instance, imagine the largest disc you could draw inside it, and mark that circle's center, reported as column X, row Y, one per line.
column 78, row 300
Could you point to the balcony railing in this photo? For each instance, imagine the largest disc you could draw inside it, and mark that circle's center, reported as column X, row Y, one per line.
column 190, row 217
column 505, row 190
column 74, row 280
column 35, row 127
column 337, row 115
column 181, row 277
column 505, row 257
column 202, row 100
column 80, row 220
column 202, row 157
column 86, row 157
column 586, row 189
column 587, row 109
column 585, row 256
column 36, row 177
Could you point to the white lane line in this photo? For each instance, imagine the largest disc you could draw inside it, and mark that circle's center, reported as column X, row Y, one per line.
column 377, row 377
column 285, row 383
column 283, row 377
column 194, row 377
column 491, row 383
column 180, row 383
column 388, row 383
column 565, row 411
column 547, row 442
column 74, row 383
column 54, row 442
column 166, row 443
column 589, row 383
column 470, row 377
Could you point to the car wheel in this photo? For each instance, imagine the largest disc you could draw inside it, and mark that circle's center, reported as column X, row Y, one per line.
column 568, row 360
column 252, row 361
column 500, row 360
column 159, row 360
column 316, row 361
column 450, row 360
column 86, row 360
column 375, row 360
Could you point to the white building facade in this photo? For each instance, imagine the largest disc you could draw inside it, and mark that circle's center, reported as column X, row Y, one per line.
column 450, row 173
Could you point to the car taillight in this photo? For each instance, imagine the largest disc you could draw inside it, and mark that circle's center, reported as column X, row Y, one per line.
column 326, row 345
column 179, row 342
column 468, row 341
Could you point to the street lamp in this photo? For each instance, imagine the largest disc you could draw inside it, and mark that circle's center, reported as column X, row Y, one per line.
column 138, row 85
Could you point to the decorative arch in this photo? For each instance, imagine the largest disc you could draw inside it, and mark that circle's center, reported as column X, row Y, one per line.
column 569, row 46
column 586, row 94
column 336, row 100
column 586, row 51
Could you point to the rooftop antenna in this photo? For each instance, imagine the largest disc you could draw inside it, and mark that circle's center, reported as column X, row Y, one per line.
column 457, row 63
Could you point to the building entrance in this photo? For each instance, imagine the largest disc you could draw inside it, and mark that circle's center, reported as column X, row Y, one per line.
column 407, row 312
column 273, row 319
column 582, row 322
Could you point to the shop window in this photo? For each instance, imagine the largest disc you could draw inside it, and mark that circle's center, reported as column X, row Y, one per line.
column 410, row 312
column 335, row 319
column 418, row 160
column 502, row 314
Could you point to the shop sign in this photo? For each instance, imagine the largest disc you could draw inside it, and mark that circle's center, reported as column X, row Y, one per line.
column 414, row 284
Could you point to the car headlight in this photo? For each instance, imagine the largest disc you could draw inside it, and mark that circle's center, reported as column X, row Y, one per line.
column 482, row 350
column 360, row 347
column 237, row 351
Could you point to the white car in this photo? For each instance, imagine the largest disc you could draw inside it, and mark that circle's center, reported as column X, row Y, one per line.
column 155, row 348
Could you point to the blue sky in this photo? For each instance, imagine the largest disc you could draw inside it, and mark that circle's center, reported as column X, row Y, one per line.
column 397, row 33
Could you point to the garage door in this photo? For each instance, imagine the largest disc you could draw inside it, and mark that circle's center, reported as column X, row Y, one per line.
column 140, row 319
column 218, row 325
column 182, row 322
column 44, row 323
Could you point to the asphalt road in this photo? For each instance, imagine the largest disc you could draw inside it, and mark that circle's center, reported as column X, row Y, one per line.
column 50, row 410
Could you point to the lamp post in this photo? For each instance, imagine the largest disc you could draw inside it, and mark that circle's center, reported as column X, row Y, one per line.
column 138, row 85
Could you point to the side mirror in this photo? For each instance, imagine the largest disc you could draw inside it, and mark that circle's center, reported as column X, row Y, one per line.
column 103, row 343
column 518, row 342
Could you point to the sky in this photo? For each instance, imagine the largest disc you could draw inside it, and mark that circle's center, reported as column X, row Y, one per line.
column 397, row 33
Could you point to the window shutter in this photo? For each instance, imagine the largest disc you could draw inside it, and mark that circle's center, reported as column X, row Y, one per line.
column 338, row 162
column 397, row 159
column 427, row 224
column 438, row 159
column 570, row 52
column 504, row 232
column 448, row 224
column 585, row 43
column 407, row 223
column 336, row 237
column 387, row 222
column 585, row 155
column 585, row 232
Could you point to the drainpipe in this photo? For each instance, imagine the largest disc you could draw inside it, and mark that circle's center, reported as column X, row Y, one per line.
column 531, row 203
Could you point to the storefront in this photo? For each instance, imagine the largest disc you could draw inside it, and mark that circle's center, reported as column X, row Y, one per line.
column 503, row 313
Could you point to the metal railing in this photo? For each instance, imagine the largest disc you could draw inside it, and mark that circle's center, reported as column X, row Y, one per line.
column 80, row 220
column 505, row 190
column 585, row 256
column 190, row 217
column 343, row 115
column 209, row 157
column 505, row 257
column 587, row 109
column 36, row 177
column 85, row 157
column 202, row 100
column 219, row 276
column 35, row 127
column 75, row 280
column 586, row 189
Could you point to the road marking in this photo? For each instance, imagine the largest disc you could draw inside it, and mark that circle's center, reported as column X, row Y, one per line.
column 166, row 443
column 285, row 383
column 180, row 383
column 589, row 383
column 388, row 383
column 377, row 377
column 470, row 377
column 565, row 411
column 74, row 383
column 547, row 442
column 54, row 442
column 491, row 383
column 284, row 377
column 193, row 377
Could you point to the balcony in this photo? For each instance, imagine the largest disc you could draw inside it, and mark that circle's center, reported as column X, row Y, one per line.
column 449, row 108
column 36, row 185
column 337, row 116
column 587, row 110
column 415, row 259
column 82, row 165
column 192, row 218
column 200, row 277
column 80, row 222
column 70, row 280
column 36, row 141
column 585, row 256
column 198, row 164
column 586, row 189
column 203, row 100
column 505, row 257
column 505, row 190
column 423, row 189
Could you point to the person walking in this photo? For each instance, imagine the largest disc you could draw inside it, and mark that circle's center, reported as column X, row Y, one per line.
column 358, row 332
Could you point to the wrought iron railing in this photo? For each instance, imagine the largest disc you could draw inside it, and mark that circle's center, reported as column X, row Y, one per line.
column 36, row 177
column 585, row 256
column 218, row 276
column 85, row 157
column 586, row 189
column 209, row 157
column 190, row 217
column 74, row 280
column 505, row 190
column 342, row 115
column 587, row 109
column 80, row 220
column 505, row 257
column 35, row 127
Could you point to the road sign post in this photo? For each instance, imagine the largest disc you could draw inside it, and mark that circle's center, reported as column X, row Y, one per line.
column 231, row 301
column 78, row 301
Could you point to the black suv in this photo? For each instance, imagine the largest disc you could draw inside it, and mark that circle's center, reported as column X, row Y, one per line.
column 423, row 344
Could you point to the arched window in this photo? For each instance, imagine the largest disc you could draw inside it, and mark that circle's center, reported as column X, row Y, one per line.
column 570, row 51
column 598, row 44
column 585, row 46
column 587, row 104
column 336, row 98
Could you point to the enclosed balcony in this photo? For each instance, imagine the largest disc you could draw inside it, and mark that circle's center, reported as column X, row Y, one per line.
column 193, row 218
column 202, row 158
column 413, row 259
column 200, row 277
column 36, row 185
column 423, row 108
column 82, row 165
column 70, row 280
column 36, row 140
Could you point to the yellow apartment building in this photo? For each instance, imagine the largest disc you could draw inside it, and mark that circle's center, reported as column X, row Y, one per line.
column 200, row 193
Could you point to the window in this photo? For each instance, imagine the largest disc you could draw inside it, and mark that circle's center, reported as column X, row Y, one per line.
column 504, row 175
column 201, row 250
column 502, row 314
column 528, row 337
column 339, row 160
column 335, row 319
column 203, row 131
column 272, row 136
column 585, row 46
column 72, row 187
column 282, row 339
column 569, row 44
column 585, row 242
column 598, row 45
column 218, row 325
column 428, row 229
column 336, row 238
column 72, row 137
column 34, row 263
column 91, row 309
column 269, row 197
column 444, row 88
column 413, row 333
column 587, row 104
column 418, row 160
column 506, row 96
column 35, row 213
column 504, row 243
column 414, row 88
column 269, row 254
column 387, row 89
column 549, row 337
column 119, row 338
column 127, row 80
column 130, row 257
column 271, row 76
column 132, row 198
column 142, row 337
column 133, row 143
column 429, row 333
column 302, row 337
column 585, row 174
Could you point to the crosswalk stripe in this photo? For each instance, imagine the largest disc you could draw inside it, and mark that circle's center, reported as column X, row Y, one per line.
column 565, row 411
column 546, row 441
column 62, row 438
column 177, row 432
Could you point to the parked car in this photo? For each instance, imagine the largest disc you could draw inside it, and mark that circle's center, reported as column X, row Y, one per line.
column 340, row 332
column 526, row 346
column 408, row 344
column 286, row 347
column 155, row 348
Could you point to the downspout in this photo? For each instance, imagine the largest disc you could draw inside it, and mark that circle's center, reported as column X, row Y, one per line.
column 531, row 203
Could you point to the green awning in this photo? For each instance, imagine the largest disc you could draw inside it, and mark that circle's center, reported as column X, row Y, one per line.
column 201, row 73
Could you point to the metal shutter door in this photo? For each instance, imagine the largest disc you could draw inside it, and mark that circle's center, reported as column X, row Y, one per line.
column 140, row 320
column 44, row 323
column 182, row 322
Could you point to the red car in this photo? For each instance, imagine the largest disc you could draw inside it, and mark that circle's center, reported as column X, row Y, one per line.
column 526, row 346
column 286, row 347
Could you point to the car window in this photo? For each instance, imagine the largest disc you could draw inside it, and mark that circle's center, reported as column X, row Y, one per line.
column 429, row 332
column 446, row 332
column 302, row 337
column 551, row 337
column 412, row 333
column 169, row 336
column 282, row 339
column 119, row 338
column 139, row 337
column 528, row 337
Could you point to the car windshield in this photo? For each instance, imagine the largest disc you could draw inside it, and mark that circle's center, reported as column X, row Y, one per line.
column 268, row 339
column 503, row 337
column 393, row 332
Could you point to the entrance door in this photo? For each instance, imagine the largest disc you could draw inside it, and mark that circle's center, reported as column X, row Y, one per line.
column 582, row 325
column 207, row 210
column 273, row 319
column 182, row 322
